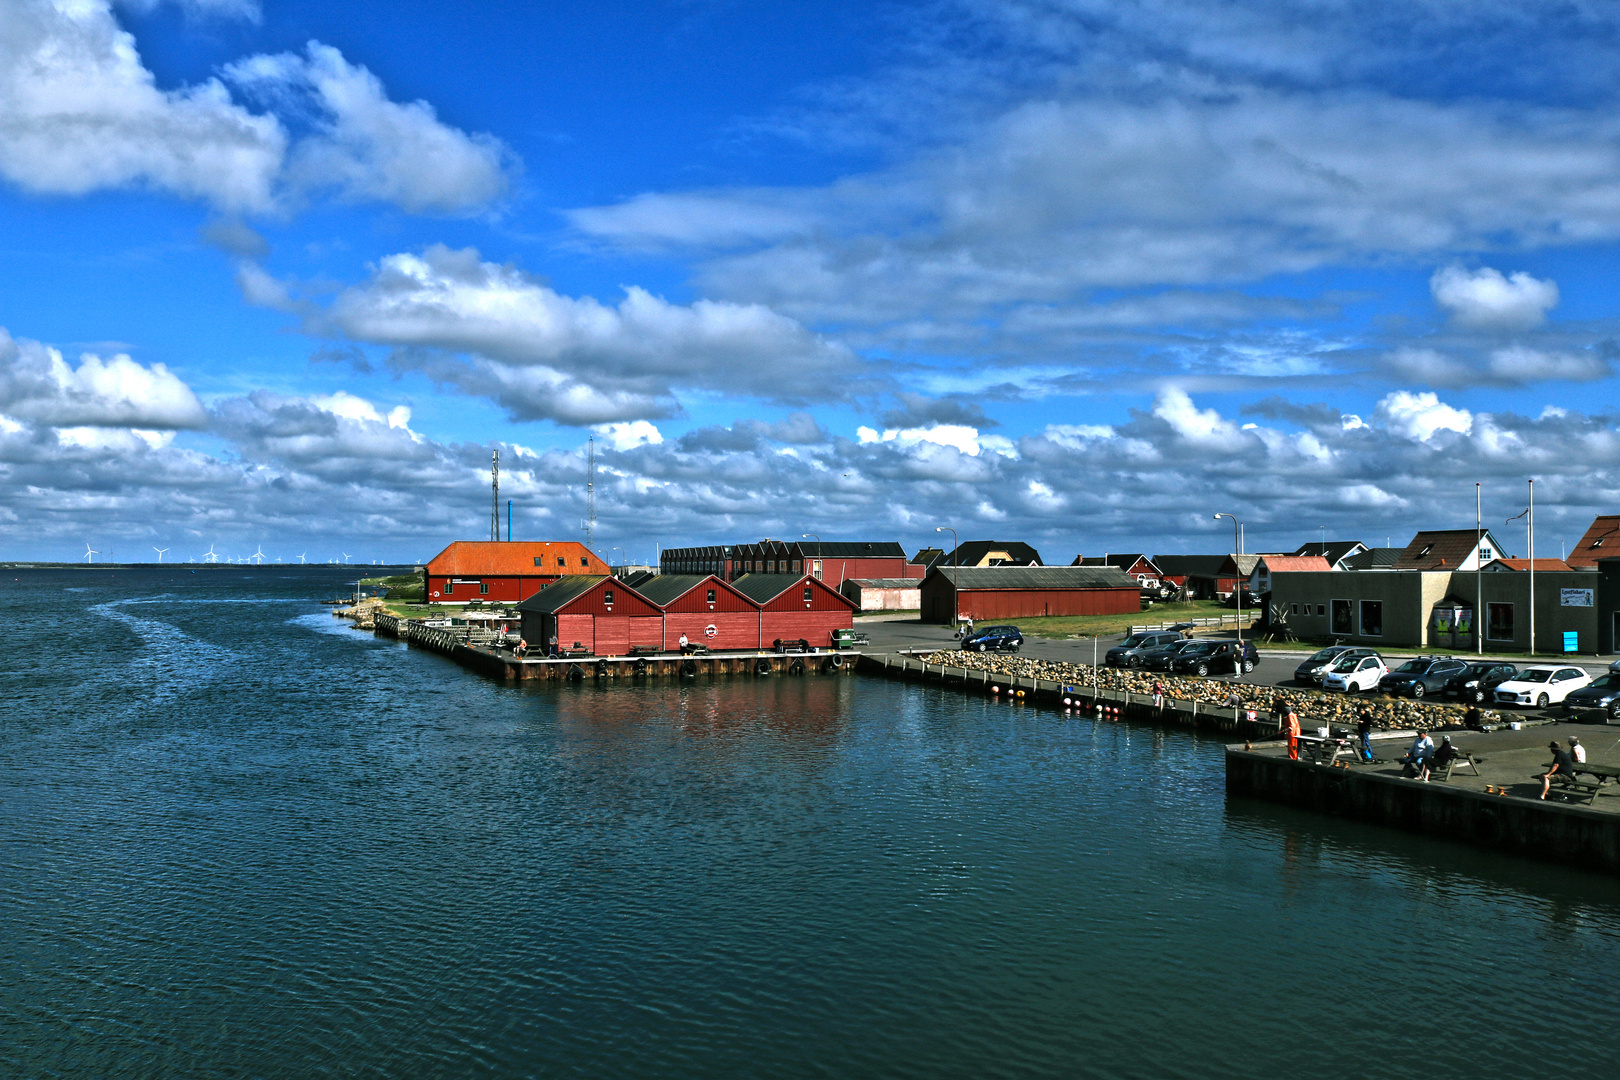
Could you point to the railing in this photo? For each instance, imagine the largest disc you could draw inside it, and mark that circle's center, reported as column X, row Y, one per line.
column 1212, row 620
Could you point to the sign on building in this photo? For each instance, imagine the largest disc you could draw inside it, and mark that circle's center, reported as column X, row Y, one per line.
column 1574, row 597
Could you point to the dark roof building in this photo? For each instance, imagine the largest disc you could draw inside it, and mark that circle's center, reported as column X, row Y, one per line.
column 992, row 553
column 1379, row 558
column 829, row 561
column 1011, row 592
column 1448, row 549
column 1334, row 551
column 1602, row 541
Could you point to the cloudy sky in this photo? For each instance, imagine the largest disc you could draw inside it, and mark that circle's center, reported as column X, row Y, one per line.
column 1078, row 272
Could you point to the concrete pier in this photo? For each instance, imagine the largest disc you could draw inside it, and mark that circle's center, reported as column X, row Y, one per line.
column 504, row 664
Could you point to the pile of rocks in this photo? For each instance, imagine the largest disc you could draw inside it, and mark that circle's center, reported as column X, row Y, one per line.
column 1316, row 708
column 364, row 614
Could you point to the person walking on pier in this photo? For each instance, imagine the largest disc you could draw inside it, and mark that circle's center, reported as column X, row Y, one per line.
column 1158, row 694
column 1292, row 722
column 1364, row 726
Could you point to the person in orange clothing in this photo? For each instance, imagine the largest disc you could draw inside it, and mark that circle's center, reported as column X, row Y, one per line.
column 1291, row 724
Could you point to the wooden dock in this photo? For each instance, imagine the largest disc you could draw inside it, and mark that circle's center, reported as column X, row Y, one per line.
column 500, row 663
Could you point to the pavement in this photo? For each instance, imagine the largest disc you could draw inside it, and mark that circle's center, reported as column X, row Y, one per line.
column 1507, row 759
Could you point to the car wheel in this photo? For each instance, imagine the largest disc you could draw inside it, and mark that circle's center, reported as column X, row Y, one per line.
column 1248, row 666
column 1201, row 669
column 1479, row 697
column 1417, row 690
column 981, row 646
column 1614, row 710
column 1543, row 701
column 1136, row 661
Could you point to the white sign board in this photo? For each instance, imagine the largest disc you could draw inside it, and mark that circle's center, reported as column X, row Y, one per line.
column 1574, row 597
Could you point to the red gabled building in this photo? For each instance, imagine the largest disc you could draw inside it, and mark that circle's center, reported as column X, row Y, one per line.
column 602, row 615
column 795, row 606
column 704, row 608
column 505, row 572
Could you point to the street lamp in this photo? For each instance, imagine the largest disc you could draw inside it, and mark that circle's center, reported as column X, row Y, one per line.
column 956, row 597
column 1236, row 525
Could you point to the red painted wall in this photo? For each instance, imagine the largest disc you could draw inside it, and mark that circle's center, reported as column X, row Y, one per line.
column 504, row 590
column 725, row 599
column 816, row 627
column 993, row 604
column 734, row 629
column 572, row 628
column 646, row 632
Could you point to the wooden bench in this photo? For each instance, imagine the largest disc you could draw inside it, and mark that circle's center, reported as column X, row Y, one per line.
column 799, row 645
column 1573, row 789
column 645, row 650
column 573, row 652
column 1326, row 751
column 1460, row 760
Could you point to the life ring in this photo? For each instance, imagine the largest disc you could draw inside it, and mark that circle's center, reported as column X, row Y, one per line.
column 641, row 665
column 601, row 669
column 829, row 665
column 574, row 674
column 689, row 667
column 796, row 668
column 762, row 666
column 835, row 661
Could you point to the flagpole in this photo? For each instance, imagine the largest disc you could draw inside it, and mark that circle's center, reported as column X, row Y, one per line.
column 1479, row 577
column 1532, row 569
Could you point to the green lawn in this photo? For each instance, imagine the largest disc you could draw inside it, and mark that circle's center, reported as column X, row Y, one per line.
column 1084, row 626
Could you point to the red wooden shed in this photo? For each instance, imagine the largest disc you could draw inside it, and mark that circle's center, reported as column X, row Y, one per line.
column 794, row 606
column 704, row 608
column 600, row 614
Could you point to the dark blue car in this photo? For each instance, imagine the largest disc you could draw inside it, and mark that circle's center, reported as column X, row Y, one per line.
column 993, row 637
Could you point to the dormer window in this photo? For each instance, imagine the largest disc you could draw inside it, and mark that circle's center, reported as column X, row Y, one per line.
column 1598, row 542
column 1426, row 549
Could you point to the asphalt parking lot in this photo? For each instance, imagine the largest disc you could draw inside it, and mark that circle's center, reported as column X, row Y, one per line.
column 1276, row 665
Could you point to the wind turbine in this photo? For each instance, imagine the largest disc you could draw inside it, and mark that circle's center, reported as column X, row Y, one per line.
column 211, row 555
column 90, row 553
column 301, row 558
column 346, row 556
column 259, row 554
column 160, row 552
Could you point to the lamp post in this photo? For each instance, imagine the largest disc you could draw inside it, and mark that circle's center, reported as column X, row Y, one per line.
column 1236, row 526
column 956, row 598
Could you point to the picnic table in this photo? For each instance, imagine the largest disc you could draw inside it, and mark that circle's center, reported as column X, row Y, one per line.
column 1603, row 776
column 1327, row 750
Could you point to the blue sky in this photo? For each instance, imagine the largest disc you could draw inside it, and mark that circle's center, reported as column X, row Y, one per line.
column 1070, row 271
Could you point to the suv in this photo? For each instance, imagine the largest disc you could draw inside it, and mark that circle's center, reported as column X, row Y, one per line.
column 1422, row 675
column 1317, row 665
column 1214, row 657
column 1478, row 682
column 1160, row 658
column 1129, row 653
column 1351, row 673
column 993, row 637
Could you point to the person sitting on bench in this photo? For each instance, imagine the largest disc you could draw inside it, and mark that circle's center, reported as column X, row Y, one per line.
column 1415, row 759
column 1563, row 767
column 1444, row 755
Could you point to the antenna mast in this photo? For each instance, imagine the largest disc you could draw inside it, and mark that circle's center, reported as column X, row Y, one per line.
column 590, row 494
column 495, row 496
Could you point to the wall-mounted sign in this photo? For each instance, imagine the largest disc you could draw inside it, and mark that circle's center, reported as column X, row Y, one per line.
column 1574, row 597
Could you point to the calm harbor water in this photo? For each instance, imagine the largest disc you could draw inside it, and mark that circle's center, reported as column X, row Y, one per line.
column 239, row 839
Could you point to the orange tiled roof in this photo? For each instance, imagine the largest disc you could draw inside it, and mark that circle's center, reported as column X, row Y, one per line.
column 475, row 558
column 1524, row 564
column 1288, row 564
column 1602, row 541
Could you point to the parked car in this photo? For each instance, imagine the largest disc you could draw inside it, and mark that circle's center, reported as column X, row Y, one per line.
column 1318, row 664
column 1352, row 673
column 1421, row 675
column 1128, row 653
column 1159, row 659
column 993, row 637
column 1478, row 682
column 1214, row 657
column 1602, row 692
column 1541, row 685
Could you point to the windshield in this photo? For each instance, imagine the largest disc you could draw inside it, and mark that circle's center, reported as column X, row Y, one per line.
column 1201, row 647
column 1133, row 641
column 1414, row 667
column 1349, row 663
column 1478, row 670
column 1606, row 682
column 1533, row 675
column 1325, row 654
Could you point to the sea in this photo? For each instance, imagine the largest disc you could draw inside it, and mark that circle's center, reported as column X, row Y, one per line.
column 240, row 839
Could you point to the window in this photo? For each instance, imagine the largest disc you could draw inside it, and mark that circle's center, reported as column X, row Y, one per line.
column 1598, row 542
column 1485, row 553
column 1372, row 618
column 483, row 587
column 584, row 562
column 808, row 592
column 1341, row 617
column 817, row 567
column 449, row 587
column 607, row 597
column 797, row 564
column 1426, row 549
column 539, row 560
column 1499, row 621
column 561, row 561
column 770, row 567
column 1293, row 609
column 1321, row 609
column 711, row 596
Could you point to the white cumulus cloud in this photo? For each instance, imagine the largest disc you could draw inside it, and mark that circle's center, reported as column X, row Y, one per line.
column 37, row 384
column 1485, row 299
column 1420, row 416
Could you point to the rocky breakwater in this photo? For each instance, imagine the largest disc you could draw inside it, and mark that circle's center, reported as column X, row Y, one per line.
column 1316, row 708
column 363, row 614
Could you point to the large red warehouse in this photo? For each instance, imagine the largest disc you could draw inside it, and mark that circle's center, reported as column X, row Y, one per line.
column 505, row 572
column 794, row 606
column 993, row 593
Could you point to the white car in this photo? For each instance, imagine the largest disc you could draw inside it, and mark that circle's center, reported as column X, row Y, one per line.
column 1541, row 685
column 1354, row 673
